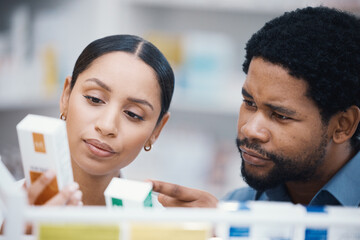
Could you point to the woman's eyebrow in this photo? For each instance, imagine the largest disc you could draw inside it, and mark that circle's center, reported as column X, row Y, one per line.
column 141, row 101
column 100, row 83
column 106, row 87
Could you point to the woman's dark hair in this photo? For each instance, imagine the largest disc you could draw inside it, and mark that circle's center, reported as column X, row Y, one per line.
column 143, row 49
column 320, row 46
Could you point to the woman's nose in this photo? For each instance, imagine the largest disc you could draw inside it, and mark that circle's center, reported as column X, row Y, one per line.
column 107, row 122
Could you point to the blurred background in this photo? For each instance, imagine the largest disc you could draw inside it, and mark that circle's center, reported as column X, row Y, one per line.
column 203, row 39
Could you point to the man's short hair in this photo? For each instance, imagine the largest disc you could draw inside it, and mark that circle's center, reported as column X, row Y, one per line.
column 321, row 46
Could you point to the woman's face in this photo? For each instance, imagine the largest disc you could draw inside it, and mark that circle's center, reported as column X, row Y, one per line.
column 111, row 112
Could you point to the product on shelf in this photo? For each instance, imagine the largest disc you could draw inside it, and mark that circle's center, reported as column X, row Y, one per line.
column 128, row 193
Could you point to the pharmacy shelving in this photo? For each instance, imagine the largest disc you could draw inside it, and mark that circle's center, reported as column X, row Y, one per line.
column 238, row 19
column 259, row 220
column 149, row 20
column 29, row 103
column 70, row 25
column 259, row 6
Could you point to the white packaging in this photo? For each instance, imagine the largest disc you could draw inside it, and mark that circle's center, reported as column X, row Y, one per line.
column 128, row 193
column 44, row 145
column 261, row 229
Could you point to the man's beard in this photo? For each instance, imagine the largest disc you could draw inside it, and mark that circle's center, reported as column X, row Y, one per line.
column 301, row 168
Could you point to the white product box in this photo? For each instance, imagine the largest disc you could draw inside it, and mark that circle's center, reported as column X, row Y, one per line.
column 128, row 193
column 44, row 145
column 269, row 229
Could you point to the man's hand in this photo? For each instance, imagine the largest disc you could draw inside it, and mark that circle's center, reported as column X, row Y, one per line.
column 172, row 195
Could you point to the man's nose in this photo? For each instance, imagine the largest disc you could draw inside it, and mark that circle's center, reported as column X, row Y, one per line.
column 255, row 128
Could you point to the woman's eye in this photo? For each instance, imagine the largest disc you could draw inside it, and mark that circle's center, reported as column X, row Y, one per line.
column 249, row 103
column 94, row 99
column 134, row 116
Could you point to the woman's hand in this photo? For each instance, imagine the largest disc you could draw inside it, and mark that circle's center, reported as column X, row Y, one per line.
column 172, row 195
column 69, row 195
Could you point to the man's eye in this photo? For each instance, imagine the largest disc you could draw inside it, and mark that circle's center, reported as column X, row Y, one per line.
column 249, row 103
column 134, row 116
column 93, row 99
column 280, row 117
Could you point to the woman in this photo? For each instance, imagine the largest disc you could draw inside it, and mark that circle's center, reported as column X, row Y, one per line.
column 115, row 104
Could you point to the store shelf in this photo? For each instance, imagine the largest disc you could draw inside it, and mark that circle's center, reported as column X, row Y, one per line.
column 210, row 106
column 260, row 6
column 23, row 104
column 189, row 105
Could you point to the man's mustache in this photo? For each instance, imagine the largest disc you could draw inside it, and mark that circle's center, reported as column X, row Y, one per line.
column 253, row 146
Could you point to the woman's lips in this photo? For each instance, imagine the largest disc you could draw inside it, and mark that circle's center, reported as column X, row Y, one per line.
column 253, row 158
column 98, row 148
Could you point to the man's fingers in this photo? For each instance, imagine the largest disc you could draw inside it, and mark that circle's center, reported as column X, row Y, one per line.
column 206, row 201
column 39, row 185
column 175, row 191
column 167, row 201
column 66, row 195
column 172, row 195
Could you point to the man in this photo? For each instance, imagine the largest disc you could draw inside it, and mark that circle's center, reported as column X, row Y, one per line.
column 298, row 126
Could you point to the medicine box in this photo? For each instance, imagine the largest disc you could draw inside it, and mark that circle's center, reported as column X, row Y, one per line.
column 44, row 145
column 128, row 193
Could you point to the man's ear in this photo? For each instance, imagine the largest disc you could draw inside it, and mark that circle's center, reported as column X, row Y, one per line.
column 345, row 124
column 159, row 128
column 64, row 100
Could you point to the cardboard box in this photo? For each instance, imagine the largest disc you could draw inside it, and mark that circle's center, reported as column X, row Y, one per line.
column 128, row 193
column 44, row 145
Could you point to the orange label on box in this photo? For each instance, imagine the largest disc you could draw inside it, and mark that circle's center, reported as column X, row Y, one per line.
column 50, row 190
column 39, row 142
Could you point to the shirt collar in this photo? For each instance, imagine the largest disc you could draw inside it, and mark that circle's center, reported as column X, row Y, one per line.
column 342, row 188
column 345, row 185
column 278, row 193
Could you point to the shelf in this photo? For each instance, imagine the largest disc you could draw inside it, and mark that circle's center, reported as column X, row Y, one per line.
column 19, row 104
column 215, row 106
column 248, row 6
column 260, row 6
column 182, row 103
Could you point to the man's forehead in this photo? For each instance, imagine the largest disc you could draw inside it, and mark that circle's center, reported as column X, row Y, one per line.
column 274, row 81
column 269, row 84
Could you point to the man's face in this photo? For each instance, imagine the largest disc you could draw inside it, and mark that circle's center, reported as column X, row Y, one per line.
column 281, row 136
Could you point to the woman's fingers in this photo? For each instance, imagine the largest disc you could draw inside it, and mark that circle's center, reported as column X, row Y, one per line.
column 76, row 199
column 39, row 185
column 69, row 195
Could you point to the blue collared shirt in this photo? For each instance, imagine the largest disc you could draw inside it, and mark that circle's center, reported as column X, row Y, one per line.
column 342, row 189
